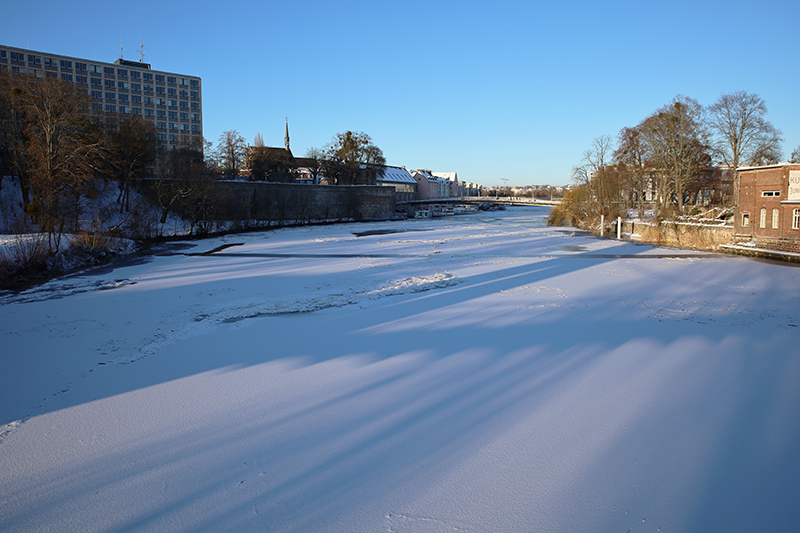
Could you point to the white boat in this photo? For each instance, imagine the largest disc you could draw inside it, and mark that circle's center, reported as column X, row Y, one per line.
column 442, row 211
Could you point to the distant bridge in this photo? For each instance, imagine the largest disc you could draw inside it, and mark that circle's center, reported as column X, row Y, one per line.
column 505, row 200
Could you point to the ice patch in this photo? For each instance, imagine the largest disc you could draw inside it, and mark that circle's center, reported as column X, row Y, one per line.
column 400, row 523
column 209, row 319
column 6, row 429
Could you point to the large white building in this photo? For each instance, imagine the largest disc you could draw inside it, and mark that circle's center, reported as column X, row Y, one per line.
column 173, row 102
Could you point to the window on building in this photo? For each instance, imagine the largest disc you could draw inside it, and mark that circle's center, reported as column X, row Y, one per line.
column 195, row 116
column 109, row 83
column 161, row 125
column 16, row 56
column 66, row 77
column 122, row 98
column 172, row 103
column 97, row 82
column 745, row 219
column 161, row 113
column 195, row 127
column 111, row 108
column 770, row 194
column 161, row 101
column 148, row 88
column 135, row 74
column 111, row 96
column 160, row 90
column 796, row 219
column 50, row 62
column 108, row 71
column 82, row 79
column 137, row 111
column 160, row 78
column 148, row 76
column 149, row 113
column 136, row 99
column 173, row 114
column 775, row 218
column 124, row 109
column 148, row 100
column 95, row 69
column 762, row 220
column 65, row 64
column 97, row 95
column 122, row 85
column 194, row 94
column 2, row 54
column 36, row 60
column 195, row 105
column 80, row 66
column 136, row 86
column 122, row 72
column 194, row 83
column 171, row 79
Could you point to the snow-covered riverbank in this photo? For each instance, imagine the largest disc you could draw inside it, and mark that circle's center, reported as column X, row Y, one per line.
column 482, row 373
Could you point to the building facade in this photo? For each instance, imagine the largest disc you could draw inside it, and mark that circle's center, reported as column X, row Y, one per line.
column 768, row 207
column 172, row 102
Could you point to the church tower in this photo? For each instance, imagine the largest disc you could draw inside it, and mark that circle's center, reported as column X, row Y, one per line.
column 286, row 139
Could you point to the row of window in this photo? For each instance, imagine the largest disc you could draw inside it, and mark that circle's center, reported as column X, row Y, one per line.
column 146, row 100
column 762, row 219
column 97, row 69
column 171, row 137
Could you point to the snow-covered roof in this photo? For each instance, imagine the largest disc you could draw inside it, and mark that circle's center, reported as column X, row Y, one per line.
column 453, row 176
column 395, row 175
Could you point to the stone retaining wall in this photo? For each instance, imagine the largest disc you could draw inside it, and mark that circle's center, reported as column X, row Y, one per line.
column 288, row 203
column 679, row 234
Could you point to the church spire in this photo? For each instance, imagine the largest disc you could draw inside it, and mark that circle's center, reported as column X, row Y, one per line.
column 286, row 139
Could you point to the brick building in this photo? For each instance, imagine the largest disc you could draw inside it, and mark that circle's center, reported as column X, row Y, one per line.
column 768, row 207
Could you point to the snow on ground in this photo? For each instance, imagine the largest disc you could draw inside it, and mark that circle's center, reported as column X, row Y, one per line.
column 482, row 373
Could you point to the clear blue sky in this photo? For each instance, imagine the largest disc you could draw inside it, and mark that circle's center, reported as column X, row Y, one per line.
column 491, row 90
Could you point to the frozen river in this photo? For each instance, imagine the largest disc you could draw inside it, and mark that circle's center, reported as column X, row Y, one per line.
column 481, row 373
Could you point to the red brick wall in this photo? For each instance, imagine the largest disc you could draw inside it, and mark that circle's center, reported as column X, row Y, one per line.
column 752, row 184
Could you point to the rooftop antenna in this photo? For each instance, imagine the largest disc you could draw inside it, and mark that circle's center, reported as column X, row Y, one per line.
column 141, row 52
column 120, row 48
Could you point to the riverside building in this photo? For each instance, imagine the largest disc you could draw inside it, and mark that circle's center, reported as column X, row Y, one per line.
column 173, row 102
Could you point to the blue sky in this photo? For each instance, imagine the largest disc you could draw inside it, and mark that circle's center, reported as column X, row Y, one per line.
column 492, row 90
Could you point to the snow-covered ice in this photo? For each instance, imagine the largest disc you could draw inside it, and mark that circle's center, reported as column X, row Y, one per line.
column 482, row 373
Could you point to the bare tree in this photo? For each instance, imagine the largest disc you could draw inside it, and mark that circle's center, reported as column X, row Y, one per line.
column 351, row 156
column 744, row 136
column 678, row 141
column 53, row 143
column 795, row 157
column 313, row 161
column 231, row 152
column 634, row 160
column 131, row 149
column 597, row 174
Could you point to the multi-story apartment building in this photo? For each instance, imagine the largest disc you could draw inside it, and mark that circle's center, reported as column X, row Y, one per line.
column 173, row 102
